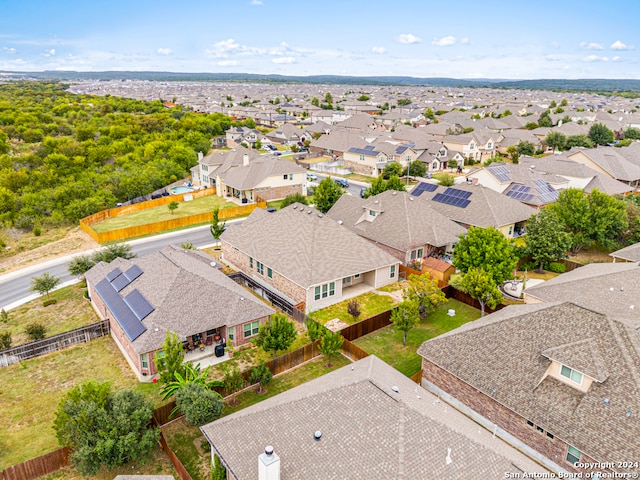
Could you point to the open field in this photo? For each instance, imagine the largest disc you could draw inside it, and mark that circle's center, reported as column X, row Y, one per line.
column 386, row 343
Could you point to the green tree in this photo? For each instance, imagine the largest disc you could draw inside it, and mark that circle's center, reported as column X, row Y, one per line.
column 44, row 283
column 169, row 359
column 486, row 249
column 390, row 169
column 415, row 169
column 607, row 219
column 328, row 98
column 632, row 133
column 404, row 317
column 600, row 134
column 35, row 331
column 428, row 113
column 513, row 153
column 526, row 148
column 556, row 140
column 217, row 227
column 545, row 119
column 294, row 198
column 4, row 316
column 233, row 381
column 173, row 206
column 5, row 340
column 572, row 209
column 579, row 141
column 330, row 345
column 315, row 102
column 104, row 428
column 546, row 239
column 262, row 375
column 481, row 286
column 363, row 98
column 80, row 265
column 564, row 102
column 403, row 102
column 446, row 180
column 199, row 404
column 218, row 472
column 424, row 290
column 276, row 334
column 192, row 374
column 327, row 194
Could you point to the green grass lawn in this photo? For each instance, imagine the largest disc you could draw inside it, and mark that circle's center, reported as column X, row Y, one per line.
column 71, row 311
column 161, row 213
column 30, row 391
column 371, row 304
column 386, row 343
column 187, row 441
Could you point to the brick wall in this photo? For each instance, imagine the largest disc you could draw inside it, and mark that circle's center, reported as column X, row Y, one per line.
column 238, row 338
column 555, row 449
column 277, row 193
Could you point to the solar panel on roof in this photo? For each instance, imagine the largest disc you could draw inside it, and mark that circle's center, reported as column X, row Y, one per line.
column 543, row 187
column 423, row 187
column 454, row 192
column 120, row 282
column 138, row 304
column 113, row 274
column 132, row 273
column 123, row 314
column 450, row 200
column 519, row 188
column 500, row 172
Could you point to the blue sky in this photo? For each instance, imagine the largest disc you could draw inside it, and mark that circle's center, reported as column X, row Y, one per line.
column 421, row 38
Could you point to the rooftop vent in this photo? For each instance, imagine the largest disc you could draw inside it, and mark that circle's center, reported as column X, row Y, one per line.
column 395, row 389
column 448, row 459
column 339, row 222
column 309, row 212
column 628, row 412
column 295, row 207
column 606, row 400
column 411, row 198
column 317, row 435
column 320, row 215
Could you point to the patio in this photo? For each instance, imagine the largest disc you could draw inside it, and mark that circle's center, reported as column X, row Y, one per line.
column 205, row 357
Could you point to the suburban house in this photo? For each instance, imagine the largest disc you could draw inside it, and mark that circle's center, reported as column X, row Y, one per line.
column 610, row 161
column 478, row 206
column 371, row 159
column 173, row 290
column 473, row 145
column 627, row 254
column 289, row 134
column 408, row 228
column 238, row 135
column 558, row 377
column 363, row 421
column 306, row 256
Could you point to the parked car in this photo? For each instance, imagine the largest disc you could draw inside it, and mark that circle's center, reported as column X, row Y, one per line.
column 342, row 182
column 270, row 209
column 272, row 147
column 312, row 177
column 277, row 154
column 428, row 175
column 303, row 149
column 362, row 191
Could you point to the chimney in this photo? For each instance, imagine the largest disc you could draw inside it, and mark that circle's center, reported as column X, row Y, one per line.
column 200, row 156
column 245, row 160
column 268, row 465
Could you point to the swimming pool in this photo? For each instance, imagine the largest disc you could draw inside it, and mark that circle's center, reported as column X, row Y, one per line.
column 180, row 189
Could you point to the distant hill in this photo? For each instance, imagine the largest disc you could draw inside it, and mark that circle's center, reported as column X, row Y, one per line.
column 579, row 85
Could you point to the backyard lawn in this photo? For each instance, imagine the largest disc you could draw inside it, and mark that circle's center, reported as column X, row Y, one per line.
column 386, row 343
column 31, row 390
column 161, row 213
column 371, row 304
column 71, row 311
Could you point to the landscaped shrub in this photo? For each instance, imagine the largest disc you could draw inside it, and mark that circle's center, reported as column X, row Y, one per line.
column 528, row 266
column 51, row 301
column 556, row 267
column 199, row 404
column 35, row 331
column 37, row 231
column 5, row 340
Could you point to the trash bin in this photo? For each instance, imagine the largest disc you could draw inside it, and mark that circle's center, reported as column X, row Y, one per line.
column 219, row 351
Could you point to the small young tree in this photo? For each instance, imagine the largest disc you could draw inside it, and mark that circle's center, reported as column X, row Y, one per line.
column 330, row 344
column 80, row 265
column 277, row 333
column 391, row 169
column 4, row 316
column 261, row 375
column 424, row 290
column 192, row 374
column 353, row 308
column 44, row 283
column 199, row 404
column 233, row 381
column 5, row 340
column 216, row 228
column 170, row 360
column 405, row 317
column 482, row 287
column 446, row 180
column 35, row 331
column 173, row 206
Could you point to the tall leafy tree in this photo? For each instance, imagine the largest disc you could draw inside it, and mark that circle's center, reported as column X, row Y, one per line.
column 262, row 375
column 390, row 169
column 481, row 286
column 404, row 317
column 600, row 134
column 488, row 249
column 276, row 334
column 330, row 345
column 217, row 227
column 556, row 140
column 579, row 141
column 424, row 290
column 199, row 404
column 294, row 198
column 572, row 209
column 379, row 185
column 416, row 168
column 326, row 194
column 547, row 238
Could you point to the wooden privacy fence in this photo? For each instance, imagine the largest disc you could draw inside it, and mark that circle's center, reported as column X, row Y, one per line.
column 368, row 325
column 54, row 343
column 182, row 472
column 138, row 230
column 352, row 351
column 37, row 467
column 451, row 292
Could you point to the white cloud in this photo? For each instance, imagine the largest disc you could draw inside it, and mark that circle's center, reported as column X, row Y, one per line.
column 49, row 53
column 255, row 2
column 552, row 58
column 284, row 60
column 464, row 41
column 379, row 50
column 554, row 45
column 227, row 63
column 615, row 59
column 444, row 41
column 596, row 58
column 408, row 38
column 164, row 51
column 592, row 46
column 618, row 45
column 10, row 51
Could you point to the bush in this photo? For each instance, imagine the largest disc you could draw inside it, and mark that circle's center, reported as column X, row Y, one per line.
column 5, row 340
column 528, row 266
column 198, row 404
column 556, row 267
column 51, row 301
column 36, row 331
column 37, row 231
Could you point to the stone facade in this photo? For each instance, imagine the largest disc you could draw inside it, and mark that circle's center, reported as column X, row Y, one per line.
column 554, row 448
column 361, row 168
column 277, row 193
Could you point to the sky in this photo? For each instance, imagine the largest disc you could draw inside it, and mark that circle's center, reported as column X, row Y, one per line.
column 493, row 39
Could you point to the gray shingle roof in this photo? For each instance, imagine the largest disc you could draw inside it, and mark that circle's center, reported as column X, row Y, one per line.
column 611, row 161
column 257, row 171
column 508, row 354
column 404, row 222
column 368, row 431
column 305, row 246
column 631, row 253
column 189, row 296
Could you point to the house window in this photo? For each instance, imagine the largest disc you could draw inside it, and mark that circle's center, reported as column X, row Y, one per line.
column 285, row 176
column 260, row 268
column 550, row 435
column 372, row 213
column 392, row 271
column 251, row 329
column 571, row 374
column 408, row 158
column 510, row 230
column 230, row 332
column 324, row 291
column 362, row 157
column 251, row 263
column 205, row 168
column 472, row 146
column 269, row 273
column 145, row 360
column 489, row 145
column 434, row 166
column 417, row 254
column 573, row 455
column 530, row 423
